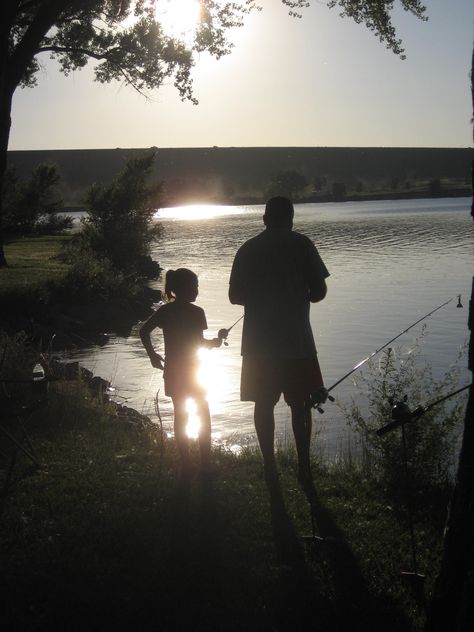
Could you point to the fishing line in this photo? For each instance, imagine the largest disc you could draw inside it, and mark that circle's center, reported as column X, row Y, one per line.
column 374, row 353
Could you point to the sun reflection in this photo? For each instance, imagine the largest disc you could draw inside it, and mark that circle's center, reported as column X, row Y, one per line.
column 196, row 211
column 194, row 424
column 213, row 377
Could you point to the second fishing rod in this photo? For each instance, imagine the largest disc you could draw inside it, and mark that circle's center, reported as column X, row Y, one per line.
column 323, row 394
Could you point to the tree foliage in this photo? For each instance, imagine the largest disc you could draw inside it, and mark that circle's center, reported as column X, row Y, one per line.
column 375, row 14
column 123, row 37
column 128, row 42
column 288, row 183
column 119, row 224
column 29, row 204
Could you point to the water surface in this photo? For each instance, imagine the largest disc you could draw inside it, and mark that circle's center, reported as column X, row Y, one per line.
column 391, row 262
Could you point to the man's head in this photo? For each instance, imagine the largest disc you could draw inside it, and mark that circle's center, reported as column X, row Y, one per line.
column 279, row 213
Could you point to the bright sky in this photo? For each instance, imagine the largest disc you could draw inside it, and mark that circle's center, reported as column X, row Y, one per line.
column 318, row 81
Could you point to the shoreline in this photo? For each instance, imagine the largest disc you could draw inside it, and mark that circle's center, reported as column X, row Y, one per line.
column 315, row 199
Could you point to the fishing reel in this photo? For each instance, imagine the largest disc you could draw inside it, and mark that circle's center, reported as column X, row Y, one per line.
column 401, row 414
column 223, row 334
column 320, row 396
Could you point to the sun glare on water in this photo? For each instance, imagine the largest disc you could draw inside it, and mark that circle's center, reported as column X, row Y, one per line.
column 193, row 425
column 196, row 211
column 213, row 377
column 179, row 18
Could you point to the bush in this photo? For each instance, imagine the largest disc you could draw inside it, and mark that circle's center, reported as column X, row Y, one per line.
column 430, row 440
column 91, row 277
column 120, row 224
column 31, row 205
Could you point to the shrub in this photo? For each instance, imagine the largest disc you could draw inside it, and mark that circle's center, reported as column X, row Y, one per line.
column 430, row 440
column 91, row 277
column 29, row 205
column 119, row 224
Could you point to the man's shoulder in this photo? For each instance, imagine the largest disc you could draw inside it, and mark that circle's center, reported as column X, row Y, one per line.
column 251, row 245
column 301, row 238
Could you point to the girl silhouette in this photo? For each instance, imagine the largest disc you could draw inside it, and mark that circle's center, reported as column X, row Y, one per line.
column 183, row 324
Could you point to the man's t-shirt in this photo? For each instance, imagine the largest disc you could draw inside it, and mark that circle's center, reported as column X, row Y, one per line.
column 274, row 271
column 182, row 324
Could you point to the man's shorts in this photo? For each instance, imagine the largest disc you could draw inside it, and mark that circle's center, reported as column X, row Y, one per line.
column 265, row 379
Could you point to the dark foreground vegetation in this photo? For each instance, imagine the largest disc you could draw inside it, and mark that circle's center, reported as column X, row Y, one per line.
column 104, row 535
column 98, row 531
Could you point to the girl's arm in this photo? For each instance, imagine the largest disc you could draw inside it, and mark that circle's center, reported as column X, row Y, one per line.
column 215, row 342
column 145, row 330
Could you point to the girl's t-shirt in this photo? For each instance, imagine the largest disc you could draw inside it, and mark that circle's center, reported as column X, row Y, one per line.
column 182, row 325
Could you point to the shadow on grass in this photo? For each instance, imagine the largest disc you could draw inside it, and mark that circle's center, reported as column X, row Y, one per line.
column 353, row 599
column 299, row 601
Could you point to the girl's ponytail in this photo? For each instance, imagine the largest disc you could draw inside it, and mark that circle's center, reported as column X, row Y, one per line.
column 170, row 280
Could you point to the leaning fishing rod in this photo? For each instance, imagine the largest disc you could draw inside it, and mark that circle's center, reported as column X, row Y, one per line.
column 323, row 393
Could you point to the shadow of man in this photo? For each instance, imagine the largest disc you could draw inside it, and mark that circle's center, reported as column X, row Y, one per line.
column 353, row 600
column 298, row 597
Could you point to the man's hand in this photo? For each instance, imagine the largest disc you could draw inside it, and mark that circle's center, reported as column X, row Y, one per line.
column 157, row 361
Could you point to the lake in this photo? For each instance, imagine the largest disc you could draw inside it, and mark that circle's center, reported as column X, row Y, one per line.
column 390, row 262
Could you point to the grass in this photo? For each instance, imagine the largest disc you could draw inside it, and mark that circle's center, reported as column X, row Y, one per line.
column 32, row 262
column 105, row 536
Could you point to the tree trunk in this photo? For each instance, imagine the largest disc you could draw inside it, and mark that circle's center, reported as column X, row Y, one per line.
column 6, row 96
column 452, row 604
column 4, row 135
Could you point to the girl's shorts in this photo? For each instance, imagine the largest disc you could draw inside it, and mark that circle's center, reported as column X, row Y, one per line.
column 182, row 380
column 266, row 379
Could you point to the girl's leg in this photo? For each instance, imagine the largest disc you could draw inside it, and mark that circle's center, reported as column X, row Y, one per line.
column 204, row 431
column 180, row 421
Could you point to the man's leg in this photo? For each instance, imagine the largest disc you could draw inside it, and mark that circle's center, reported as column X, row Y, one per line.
column 265, row 428
column 302, row 422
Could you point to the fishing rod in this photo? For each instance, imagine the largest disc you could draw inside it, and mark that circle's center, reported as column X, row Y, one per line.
column 324, row 393
column 402, row 414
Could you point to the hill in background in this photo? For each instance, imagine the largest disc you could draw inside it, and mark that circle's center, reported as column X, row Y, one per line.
column 249, row 174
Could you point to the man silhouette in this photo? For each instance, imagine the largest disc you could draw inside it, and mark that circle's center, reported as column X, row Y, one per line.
column 275, row 276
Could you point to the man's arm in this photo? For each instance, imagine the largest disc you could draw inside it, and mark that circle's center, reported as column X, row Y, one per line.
column 236, row 283
column 318, row 290
column 236, row 295
column 317, row 276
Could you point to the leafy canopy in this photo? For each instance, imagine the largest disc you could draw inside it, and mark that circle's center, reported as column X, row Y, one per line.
column 375, row 14
column 124, row 37
column 127, row 43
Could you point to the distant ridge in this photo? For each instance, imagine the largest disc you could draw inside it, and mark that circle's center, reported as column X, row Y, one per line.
column 246, row 171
